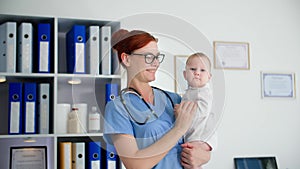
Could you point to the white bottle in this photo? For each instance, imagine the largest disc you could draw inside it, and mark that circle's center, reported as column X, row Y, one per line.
column 73, row 121
column 94, row 120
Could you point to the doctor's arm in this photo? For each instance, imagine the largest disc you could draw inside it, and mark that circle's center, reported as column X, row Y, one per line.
column 133, row 157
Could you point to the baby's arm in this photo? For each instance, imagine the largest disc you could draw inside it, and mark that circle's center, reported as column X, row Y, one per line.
column 204, row 101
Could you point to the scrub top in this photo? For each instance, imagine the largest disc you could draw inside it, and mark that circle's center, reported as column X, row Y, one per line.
column 118, row 121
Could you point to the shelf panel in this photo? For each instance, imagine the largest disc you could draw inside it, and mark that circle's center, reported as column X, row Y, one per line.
column 65, row 24
column 65, row 75
column 25, row 18
column 30, row 75
column 26, row 136
column 81, row 135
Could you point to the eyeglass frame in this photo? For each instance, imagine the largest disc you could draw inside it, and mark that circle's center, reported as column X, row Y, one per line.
column 152, row 55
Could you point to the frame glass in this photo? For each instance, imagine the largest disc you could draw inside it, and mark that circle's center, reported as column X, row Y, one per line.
column 231, row 55
column 179, row 67
column 34, row 157
column 278, row 85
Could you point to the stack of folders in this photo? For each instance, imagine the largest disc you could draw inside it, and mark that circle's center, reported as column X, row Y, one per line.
column 28, row 108
column 20, row 58
column 89, row 50
column 73, row 155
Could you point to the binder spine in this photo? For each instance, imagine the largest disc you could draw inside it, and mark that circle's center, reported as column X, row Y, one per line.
column 65, row 154
column 25, row 48
column 15, row 108
column 94, row 157
column 111, row 157
column 76, row 49
column 111, row 91
column 8, row 47
column 106, row 50
column 30, row 122
column 78, row 155
column 44, row 108
column 93, row 50
column 44, row 37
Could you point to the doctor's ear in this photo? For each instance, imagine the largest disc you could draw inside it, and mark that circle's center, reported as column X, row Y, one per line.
column 125, row 59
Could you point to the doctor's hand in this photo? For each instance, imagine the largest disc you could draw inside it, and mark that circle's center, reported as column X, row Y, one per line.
column 195, row 154
column 184, row 113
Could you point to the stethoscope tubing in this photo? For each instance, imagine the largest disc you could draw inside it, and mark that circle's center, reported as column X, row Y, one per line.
column 134, row 91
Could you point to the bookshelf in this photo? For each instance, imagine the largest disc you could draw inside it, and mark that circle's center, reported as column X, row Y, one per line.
column 90, row 91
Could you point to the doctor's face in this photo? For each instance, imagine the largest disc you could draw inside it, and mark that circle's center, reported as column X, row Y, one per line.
column 144, row 62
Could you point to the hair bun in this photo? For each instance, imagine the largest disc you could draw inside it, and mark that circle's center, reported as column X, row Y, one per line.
column 118, row 36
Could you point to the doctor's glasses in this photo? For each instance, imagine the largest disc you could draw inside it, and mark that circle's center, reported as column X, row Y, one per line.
column 149, row 57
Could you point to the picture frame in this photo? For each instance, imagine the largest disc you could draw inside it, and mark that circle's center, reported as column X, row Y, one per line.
column 33, row 157
column 277, row 85
column 231, row 55
column 179, row 67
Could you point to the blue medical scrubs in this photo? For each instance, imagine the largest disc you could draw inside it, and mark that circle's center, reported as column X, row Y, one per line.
column 118, row 121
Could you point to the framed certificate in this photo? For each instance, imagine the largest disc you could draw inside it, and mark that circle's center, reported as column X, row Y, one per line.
column 278, row 85
column 179, row 67
column 34, row 157
column 231, row 55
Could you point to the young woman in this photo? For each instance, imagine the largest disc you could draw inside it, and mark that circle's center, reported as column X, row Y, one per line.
column 140, row 123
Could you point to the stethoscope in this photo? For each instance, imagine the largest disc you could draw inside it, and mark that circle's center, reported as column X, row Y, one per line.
column 134, row 91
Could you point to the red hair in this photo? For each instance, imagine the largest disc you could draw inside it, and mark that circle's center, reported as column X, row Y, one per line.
column 124, row 41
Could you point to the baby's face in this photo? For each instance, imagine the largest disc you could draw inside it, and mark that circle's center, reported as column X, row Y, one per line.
column 197, row 72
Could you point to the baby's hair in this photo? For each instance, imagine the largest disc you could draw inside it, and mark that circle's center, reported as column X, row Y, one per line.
column 201, row 56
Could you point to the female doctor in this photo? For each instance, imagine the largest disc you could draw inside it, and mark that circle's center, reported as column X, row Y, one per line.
column 141, row 122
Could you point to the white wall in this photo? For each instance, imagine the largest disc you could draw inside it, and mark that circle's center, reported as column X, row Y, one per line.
column 251, row 126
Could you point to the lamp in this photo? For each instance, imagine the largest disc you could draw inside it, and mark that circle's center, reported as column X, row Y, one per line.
column 74, row 81
column 29, row 140
column 2, row 79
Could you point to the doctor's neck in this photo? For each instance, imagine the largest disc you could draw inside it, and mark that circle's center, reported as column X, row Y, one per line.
column 139, row 86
